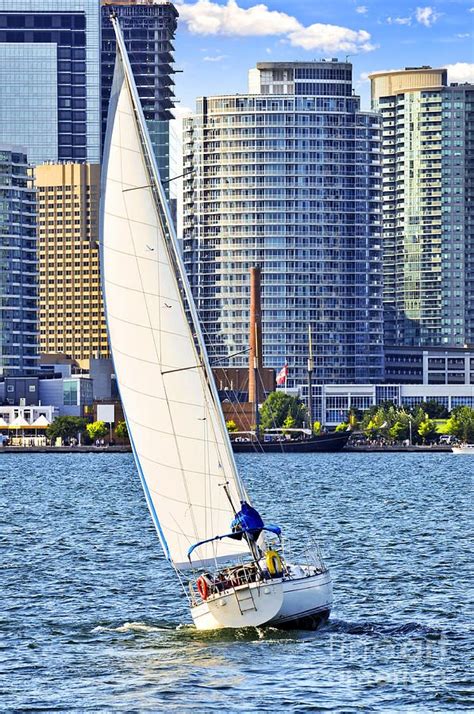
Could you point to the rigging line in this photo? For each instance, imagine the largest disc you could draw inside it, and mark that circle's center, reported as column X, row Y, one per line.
column 196, row 366
column 157, row 213
column 280, row 443
column 236, row 401
column 236, row 404
column 150, row 185
column 181, row 369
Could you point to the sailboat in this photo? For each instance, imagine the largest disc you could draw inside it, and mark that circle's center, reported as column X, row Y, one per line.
column 234, row 566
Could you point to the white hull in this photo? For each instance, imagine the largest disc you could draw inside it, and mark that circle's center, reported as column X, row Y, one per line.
column 466, row 449
column 304, row 602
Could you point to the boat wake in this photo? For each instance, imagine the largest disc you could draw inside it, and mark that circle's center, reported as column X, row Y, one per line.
column 134, row 627
column 383, row 629
column 238, row 634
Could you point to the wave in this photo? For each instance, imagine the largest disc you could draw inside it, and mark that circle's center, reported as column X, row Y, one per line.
column 137, row 627
column 384, row 629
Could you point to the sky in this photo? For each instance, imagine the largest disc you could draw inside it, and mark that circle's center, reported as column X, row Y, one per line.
column 219, row 40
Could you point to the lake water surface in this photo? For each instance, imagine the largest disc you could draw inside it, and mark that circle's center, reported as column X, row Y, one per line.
column 92, row 618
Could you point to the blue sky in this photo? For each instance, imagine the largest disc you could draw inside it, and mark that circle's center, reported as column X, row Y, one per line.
column 219, row 40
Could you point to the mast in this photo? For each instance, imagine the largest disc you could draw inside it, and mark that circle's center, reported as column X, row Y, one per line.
column 255, row 353
column 172, row 244
column 310, row 378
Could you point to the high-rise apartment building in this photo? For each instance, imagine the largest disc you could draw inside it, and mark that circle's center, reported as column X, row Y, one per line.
column 70, row 301
column 50, row 78
column 428, row 204
column 288, row 177
column 18, row 266
column 148, row 28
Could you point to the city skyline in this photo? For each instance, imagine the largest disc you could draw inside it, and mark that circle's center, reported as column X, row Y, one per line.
column 212, row 37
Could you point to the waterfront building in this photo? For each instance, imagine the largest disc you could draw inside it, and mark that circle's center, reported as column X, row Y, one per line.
column 288, row 177
column 50, row 78
column 70, row 395
column 18, row 265
column 148, row 28
column 428, row 200
column 71, row 313
column 332, row 402
column 421, row 365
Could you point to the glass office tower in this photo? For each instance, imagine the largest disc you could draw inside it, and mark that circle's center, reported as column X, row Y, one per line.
column 50, row 78
column 428, row 204
column 148, row 29
column 18, row 266
column 288, row 177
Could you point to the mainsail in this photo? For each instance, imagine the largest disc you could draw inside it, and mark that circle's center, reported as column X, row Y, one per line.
column 177, row 431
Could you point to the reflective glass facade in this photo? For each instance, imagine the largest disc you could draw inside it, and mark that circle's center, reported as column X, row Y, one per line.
column 18, row 266
column 58, row 98
column 34, row 76
column 428, row 198
column 291, row 182
column 148, row 31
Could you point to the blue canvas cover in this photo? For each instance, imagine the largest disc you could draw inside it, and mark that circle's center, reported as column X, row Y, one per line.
column 248, row 520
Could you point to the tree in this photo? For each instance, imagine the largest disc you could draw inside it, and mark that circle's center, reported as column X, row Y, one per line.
column 399, row 431
column 461, row 424
column 121, row 430
column 289, row 422
column 427, row 429
column 377, row 422
column 434, row 409
column 353, row 418
column 231, row 425
column 97, row 430
column 278, row 406
column 66, row 427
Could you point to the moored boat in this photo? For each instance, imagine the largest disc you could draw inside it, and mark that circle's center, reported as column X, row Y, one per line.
column 289, row 441
column 463, row 449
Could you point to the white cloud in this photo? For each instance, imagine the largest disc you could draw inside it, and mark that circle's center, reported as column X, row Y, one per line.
column 331, row 38
column 460, row 72
column 214, row 58
column 471, row 9
column 399, row 20
column 361, row 9
column 206, row 17
column 426, row 16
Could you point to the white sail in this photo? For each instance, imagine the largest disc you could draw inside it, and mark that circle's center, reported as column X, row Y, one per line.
column 177, row 433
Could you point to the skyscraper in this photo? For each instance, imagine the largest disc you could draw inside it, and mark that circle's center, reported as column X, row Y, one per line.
column 148, row 28
column 70, row 300
column 288, row 177
column 50, row 78
column 18, row 266
column 428, row 204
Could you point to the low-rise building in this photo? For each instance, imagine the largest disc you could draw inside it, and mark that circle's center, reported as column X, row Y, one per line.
column 332, row 402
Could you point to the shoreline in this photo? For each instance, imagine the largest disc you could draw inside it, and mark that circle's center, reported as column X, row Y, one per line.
column 126, row 449
column 117, row 449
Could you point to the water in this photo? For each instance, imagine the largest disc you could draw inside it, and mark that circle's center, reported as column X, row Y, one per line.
column 92, row 619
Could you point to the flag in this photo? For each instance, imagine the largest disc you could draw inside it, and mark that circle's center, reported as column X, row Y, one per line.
column 282, row 375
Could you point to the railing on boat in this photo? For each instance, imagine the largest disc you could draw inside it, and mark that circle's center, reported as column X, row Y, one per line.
column 298, row 562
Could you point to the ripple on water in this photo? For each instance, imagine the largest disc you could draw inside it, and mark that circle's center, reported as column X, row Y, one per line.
column 92, row 619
